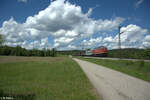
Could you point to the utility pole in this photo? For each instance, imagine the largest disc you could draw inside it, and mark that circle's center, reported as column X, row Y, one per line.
column 82, row 49
column 119, row 33
column 119, row 41
column 33, row 45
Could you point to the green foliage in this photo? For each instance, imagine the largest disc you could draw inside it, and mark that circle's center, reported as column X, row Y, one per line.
column 88, row 49
column 19, row 51
column 1, row 40
column 71, row 52
column 129, row 63
column 147, row 53
column 53, row 52
column 141, row 63
column 127, row 53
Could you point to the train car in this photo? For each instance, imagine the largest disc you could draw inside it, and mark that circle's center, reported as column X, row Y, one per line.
column 88, row 53
column 100, row 51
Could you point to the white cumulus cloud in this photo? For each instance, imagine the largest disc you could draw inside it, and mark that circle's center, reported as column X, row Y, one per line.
column 65, row 23
column 92, row 42
column 146, row 41
column 133, row 36
column 62, row 21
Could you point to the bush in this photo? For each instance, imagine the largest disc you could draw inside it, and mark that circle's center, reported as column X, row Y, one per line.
column 129, row 63
column 147, row 53
column 141, row 63
column 127, row 53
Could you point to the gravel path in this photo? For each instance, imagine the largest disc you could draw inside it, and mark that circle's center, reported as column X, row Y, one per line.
column 114, row 85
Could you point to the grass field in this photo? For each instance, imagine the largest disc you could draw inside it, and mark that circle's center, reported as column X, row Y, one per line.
column 139, row 69
column 44, row 78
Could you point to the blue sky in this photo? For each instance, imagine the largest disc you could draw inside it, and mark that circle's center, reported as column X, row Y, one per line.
column 22, row 24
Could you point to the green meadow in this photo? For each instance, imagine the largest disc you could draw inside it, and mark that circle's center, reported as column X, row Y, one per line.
column 44, row 78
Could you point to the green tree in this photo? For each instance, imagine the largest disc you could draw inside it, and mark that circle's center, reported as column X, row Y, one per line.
column 18, row 51
column 1, row 40
column 53, row 52
column 88, row 49
column 44, row 50
column 147, row 53
column 48, row 53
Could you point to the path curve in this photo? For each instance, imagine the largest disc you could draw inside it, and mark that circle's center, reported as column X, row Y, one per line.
column 114, row 85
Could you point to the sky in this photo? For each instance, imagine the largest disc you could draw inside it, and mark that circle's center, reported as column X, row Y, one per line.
column 75, row 24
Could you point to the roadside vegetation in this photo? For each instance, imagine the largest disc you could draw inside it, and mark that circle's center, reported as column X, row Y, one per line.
column 44, row 78
column 132, row 53
column 139, row 69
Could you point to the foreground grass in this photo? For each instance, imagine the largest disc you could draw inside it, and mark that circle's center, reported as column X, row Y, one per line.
column 139, row 69
column 58, row 78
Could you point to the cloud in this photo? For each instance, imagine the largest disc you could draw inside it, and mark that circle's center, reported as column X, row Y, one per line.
column 62, row 24
column 63, row 41
column 62, row 21
column 133, row 37
column 133, row 33
column 89, row 11
column 22, row 1
column 108, row 39
column 138, row 3
column 146, row 41
column 92, row 42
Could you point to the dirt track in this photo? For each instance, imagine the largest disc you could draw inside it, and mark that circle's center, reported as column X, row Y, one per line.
column 113, row 85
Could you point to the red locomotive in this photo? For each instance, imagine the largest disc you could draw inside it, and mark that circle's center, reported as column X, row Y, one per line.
column 100, row 51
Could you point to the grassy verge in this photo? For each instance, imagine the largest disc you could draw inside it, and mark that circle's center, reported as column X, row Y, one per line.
column 58, row 78
column 139, row 69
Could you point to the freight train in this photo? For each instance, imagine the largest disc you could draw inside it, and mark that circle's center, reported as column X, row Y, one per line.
column 100, row 51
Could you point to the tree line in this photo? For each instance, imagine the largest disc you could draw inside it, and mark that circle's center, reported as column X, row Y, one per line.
column 71, row 52
column 130, row 53
column 117, row 53
column 19, row 51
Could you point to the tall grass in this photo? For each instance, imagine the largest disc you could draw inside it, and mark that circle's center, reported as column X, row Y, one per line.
column 50, row 79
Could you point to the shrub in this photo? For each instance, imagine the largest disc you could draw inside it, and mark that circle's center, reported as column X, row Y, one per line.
column 129, row 62
column 147, row 53
column 141, row 63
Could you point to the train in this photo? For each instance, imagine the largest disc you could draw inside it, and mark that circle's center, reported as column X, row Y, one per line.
column 100, row 51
